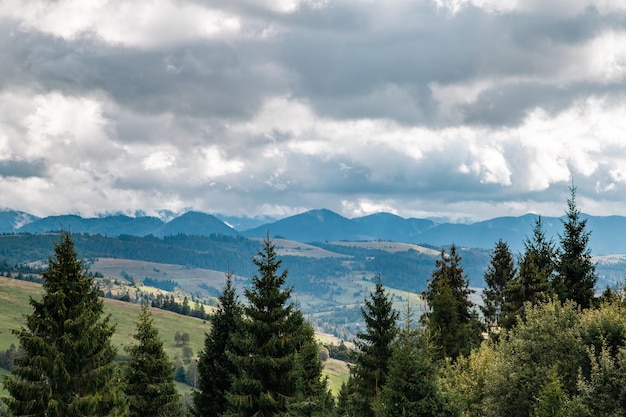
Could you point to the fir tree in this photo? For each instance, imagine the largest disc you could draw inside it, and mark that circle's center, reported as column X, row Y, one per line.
column 412, row 387
column 576, row 272
column 215, row 370
column 313, row 397
column 533, row 280
column 500, row 273
column 150, row 374
column 269, row 339
column 374, row 346
column 454, row 325
column 67, row 363
column 348, row 400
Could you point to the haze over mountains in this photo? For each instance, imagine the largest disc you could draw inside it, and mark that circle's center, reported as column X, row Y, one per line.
column 608, row 233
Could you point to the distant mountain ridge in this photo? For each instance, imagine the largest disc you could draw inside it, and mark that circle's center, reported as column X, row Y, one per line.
column 608, row 234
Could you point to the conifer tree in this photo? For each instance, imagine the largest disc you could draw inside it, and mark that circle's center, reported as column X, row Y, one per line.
column 346, row 399
column 374, row 346
column 533, row 280
column 215, row 369
column 454, row 325
column 67, row 363
column 269, row 338
column 499, row 274
column 412, row 387
column 150, row 374
column 576, row 273
column 313, row 397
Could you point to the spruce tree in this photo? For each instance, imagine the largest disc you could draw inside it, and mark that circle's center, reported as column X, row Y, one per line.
column 150, row 373
column 215, row 369
column 313, row 397
column 499, row 274
column 268, row 341
column 412, row 387
column 532, row 282
column 576, row 273
column 454, row 325
column 374, row 346
column 67, row 363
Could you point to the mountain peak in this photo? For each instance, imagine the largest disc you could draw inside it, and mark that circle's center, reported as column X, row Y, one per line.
column 195, row 223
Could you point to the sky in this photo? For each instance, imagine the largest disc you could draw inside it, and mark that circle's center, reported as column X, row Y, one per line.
column 459, row 109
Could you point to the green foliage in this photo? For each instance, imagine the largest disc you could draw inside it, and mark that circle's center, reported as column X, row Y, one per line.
column 313, row 397
column 547, row 337
column 215, row 369
column 533, row 281
column 455, row 327
column 412, row 387
column 465, row 381
column 576, row 277
column 269, row 338
column 602, row 392
column 149, row 374
column 500, row 272
column 374, row 347
column 340, row 352
column 7, row 358
column 347, row 399
column 67, row 365
column 558, row 360
column 552, row 400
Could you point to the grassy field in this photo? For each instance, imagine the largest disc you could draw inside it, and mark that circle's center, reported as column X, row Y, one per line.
column 294, row 248
column 337, row 372
column 14, row 296
column 189, row 279
column 388, row 246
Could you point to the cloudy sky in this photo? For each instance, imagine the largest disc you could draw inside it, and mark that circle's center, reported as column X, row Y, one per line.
column 466, row 109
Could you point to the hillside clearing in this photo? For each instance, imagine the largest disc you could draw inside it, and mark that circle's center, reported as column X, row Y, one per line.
column 285, row 247
column 14, row 296
column 189, row 279
column 391, row 247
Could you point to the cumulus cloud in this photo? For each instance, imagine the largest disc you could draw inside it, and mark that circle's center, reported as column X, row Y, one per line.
column 459, row 108
column 143, row 24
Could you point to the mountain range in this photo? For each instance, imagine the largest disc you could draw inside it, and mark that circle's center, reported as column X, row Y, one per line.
column 608, row 234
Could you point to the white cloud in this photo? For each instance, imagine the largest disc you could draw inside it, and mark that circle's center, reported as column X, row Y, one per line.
column 289, row 6
column 158, row 160
column 143, row 24
column 554, row 7
column 216, row 165
column 489, row 164
column 54, row 126
column 365, row 206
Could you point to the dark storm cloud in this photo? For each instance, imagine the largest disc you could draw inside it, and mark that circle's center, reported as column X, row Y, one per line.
column 340, row 71
column 211, row 81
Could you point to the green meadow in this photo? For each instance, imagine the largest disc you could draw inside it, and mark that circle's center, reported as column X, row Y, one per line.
column 14, row 296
